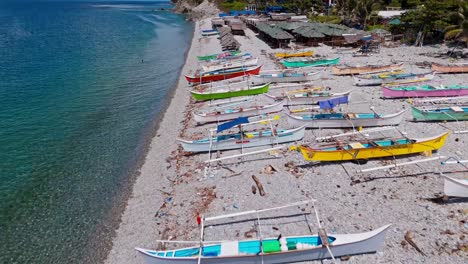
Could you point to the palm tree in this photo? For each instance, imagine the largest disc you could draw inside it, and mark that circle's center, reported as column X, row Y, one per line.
column 461, row 29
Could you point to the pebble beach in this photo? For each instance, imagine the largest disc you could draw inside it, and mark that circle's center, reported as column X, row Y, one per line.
column 173, row 187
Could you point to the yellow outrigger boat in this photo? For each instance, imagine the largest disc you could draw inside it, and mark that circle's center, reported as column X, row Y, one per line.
column 368, row 149
column 294, row 54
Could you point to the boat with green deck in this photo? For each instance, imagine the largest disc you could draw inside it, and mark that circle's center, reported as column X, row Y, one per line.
column 218, row 55
column 447, row 113
column 309, row 62
column 228, row 91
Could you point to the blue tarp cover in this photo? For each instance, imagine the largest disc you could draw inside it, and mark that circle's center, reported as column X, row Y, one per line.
column 233, row 123
column 329, row 104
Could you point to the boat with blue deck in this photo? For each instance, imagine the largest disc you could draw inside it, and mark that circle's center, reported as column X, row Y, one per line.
column 345, row 120
column 281, row 249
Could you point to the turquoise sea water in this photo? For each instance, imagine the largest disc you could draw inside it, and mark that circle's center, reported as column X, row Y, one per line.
column 81, row 85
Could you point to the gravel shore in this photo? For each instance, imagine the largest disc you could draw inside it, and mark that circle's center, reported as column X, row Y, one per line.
column 173, row 188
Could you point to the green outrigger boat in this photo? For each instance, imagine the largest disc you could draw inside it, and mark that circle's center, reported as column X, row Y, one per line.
column 217, row 55
column 308, row 62
column 450, row 113
column 226, row 91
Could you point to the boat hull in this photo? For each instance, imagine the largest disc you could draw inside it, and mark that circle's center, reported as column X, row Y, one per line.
column 215, row 56
column 445, row 114
column 284, row 136
column 222, row 75
column 362, row 81
column 285, row 77
column 388, row 92
column 364, row 69
column 387, row 120
column 450, row 68
column 455, row 187
column 228, row 94
column 230, row 65
column 292, row 55
column 199, row 118
column 300, row 64
column 424, row 145
column 345, row 245
column 305, row 99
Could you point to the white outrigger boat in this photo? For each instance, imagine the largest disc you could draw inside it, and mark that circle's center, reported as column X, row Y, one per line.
column 243, row 139
column 399, row 78
column 455, row 187
column 229, row 112
column 345, row 120
column 229, row 64
column 306, row 96
column 283, row 249
column 285, row 76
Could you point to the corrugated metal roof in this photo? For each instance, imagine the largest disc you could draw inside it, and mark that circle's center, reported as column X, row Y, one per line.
column 317, row 30
column 274, row 32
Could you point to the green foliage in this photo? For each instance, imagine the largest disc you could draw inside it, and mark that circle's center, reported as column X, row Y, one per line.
column 326, row 19
column 233, row 5
column 369, row 28
column 453, row 34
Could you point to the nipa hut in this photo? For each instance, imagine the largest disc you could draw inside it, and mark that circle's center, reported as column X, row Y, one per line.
column 274, row 36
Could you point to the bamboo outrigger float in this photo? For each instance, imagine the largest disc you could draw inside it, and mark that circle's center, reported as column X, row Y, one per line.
column 350, row 70
column 367, row 149
column 283, row 249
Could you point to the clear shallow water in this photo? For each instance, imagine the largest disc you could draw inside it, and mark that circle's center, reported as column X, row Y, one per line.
column 80, row 87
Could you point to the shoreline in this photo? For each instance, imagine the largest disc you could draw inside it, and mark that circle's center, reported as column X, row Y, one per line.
column 151, row 146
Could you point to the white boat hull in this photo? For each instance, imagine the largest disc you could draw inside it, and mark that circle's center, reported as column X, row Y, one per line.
column 230, row 65
column 284, row 136
column 455, row 187
column 278, row 78
column 201, row 118
column 300, row 99
column 387, row 120
column 359, row 81
column 344, row 245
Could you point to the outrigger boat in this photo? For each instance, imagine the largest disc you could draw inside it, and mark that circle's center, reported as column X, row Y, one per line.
column 365, row 69
column 450, row 68
column 243, row 139
column 204, row 77
column 285, row 76
column 455, row 187
column 283, row 249
column 229, row 64
column 306, row 96
column 448, row 113
column 390, row 78
column 345, row 120
column 367, row 149
column 218, row 55
column 309, row 62
column 227, row 91
column 294, row 54
column 228, row 112
column 209, row 32
column 424, row 91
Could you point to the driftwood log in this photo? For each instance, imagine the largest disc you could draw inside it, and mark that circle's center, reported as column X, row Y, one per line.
column 259, row 185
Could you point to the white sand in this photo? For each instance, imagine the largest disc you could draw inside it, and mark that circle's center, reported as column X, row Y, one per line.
column 396, row 197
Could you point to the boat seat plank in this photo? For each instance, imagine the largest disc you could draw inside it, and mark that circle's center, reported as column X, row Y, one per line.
column 356, row 145
column 230, row 248
column 457, row 109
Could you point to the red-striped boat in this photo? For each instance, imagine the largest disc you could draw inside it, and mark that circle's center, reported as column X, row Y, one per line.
column 224, row 74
